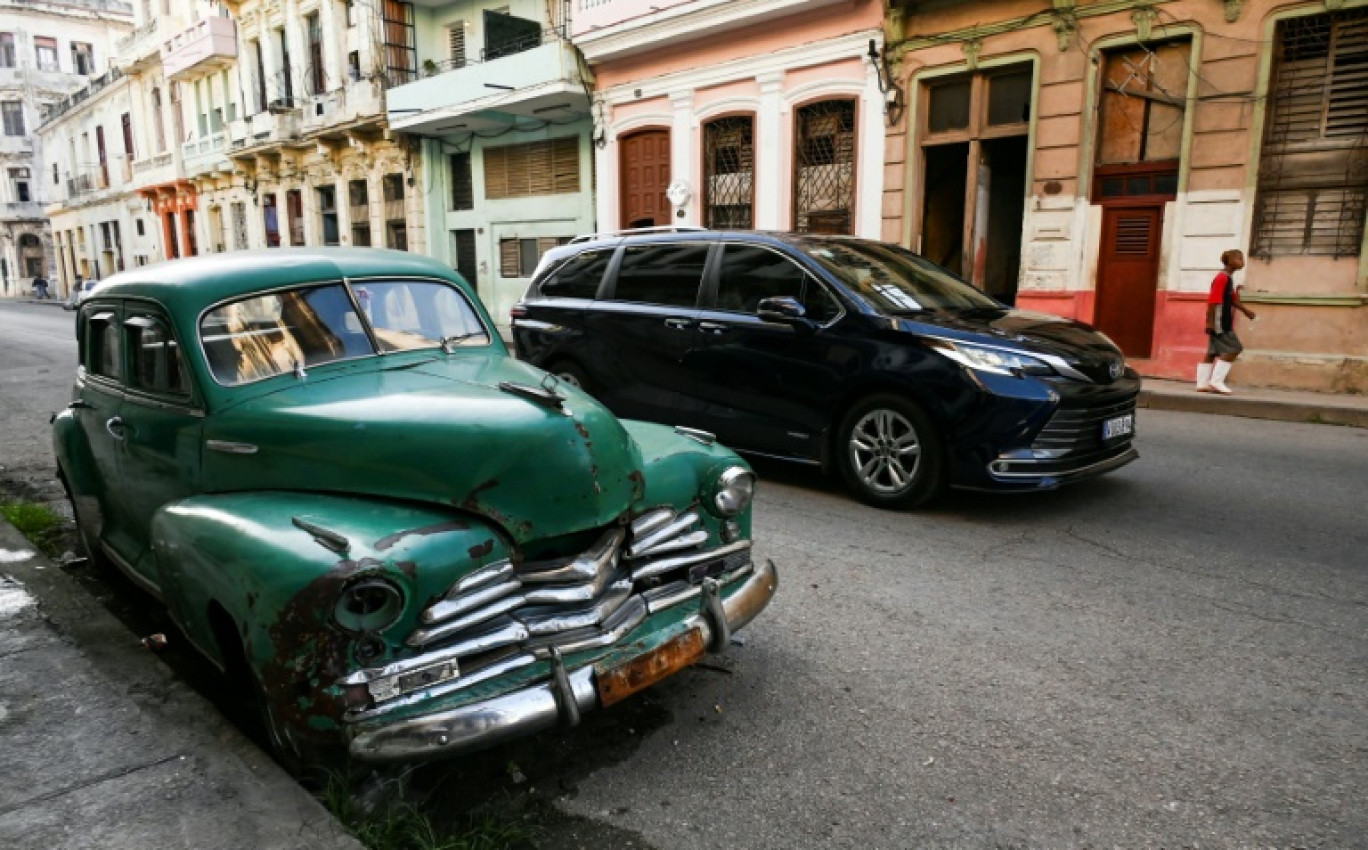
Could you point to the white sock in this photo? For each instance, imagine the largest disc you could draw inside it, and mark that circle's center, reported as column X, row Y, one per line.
column 1218, row 374
column 1203, row 375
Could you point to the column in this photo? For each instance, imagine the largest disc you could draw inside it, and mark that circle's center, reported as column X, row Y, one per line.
column 770, row 158
column 681, row 157
column 870, row 170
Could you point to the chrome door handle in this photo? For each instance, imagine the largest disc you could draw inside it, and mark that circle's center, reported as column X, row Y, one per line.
column 115, row 428
column 679, row 324
column 713, row 327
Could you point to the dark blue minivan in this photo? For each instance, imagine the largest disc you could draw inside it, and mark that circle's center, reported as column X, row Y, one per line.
column 854, row 354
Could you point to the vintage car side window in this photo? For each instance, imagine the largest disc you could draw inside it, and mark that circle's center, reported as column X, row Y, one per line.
column 102, row 345
column 579, row 277
column 750, row 274
column 272, row 334
column 661, row 274
column 407, row 314
column 155, row 357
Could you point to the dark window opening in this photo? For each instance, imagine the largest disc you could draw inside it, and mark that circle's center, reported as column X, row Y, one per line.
column 729, row 172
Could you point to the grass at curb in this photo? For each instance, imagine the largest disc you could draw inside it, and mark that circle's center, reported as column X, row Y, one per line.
column 39, row 523
column 395, row 824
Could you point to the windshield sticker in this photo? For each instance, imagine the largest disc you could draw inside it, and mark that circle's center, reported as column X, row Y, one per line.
column 894, row 295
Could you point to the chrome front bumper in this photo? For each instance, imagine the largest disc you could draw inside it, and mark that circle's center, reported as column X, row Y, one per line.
column 558, row 701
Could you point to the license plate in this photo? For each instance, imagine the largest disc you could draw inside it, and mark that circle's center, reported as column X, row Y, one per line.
column 618, row 683
column 1120, row 426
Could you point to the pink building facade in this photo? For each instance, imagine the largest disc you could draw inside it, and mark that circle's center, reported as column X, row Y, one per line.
column 764, row 114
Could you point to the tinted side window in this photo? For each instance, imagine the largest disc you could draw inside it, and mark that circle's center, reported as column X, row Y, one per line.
column 661, row 274
column 579, row 277
column 157, row 366
column 750, row 274
column 102, row 345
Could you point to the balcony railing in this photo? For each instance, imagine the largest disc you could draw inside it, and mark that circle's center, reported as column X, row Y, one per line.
column 544, row 74
column 84, row 184
column 59, row 108
column 158, row 161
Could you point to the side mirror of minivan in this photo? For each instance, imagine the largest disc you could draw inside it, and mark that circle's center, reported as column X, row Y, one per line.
column 785, row 310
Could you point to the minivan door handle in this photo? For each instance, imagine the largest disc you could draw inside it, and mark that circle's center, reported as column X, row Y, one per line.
column 679, row 324
column 713, row 327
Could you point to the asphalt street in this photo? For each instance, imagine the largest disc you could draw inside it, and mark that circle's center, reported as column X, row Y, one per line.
column 1175, row 655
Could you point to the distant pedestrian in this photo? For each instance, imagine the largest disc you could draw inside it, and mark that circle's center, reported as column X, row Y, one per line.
column 1223, row 346
column 40, row 287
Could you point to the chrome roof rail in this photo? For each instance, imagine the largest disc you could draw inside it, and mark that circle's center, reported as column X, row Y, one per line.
column 666, row 228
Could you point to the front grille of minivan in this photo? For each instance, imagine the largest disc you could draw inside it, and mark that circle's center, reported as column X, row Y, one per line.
column 505, row 615
column 1072, row 430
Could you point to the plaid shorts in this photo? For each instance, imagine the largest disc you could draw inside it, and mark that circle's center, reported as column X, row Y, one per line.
column 1223, row 345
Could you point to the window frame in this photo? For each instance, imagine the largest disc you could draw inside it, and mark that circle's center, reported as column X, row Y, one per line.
column 139, row 318
column 610, row 292
column 810, row 280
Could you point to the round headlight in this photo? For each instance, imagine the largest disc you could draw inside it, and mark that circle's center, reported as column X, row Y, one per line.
column 734, row 491
column 369, row 605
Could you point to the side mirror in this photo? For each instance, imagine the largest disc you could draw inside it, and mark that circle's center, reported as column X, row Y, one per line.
column 784, row 309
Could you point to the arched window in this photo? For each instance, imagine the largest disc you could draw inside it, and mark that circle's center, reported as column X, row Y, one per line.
column 824, row 167
column 729, row 172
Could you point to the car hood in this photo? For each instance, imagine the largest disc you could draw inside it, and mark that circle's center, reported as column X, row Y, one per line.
column 1078, row 344
column 437, row 431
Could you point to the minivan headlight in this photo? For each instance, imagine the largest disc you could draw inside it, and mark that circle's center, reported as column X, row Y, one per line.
column 998, row 361
column 733, row 492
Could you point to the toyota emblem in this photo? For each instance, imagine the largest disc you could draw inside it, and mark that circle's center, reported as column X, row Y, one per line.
column 1116, row 368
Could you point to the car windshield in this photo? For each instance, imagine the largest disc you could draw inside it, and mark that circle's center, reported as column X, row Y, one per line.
column 894, row 280
column 279, row 332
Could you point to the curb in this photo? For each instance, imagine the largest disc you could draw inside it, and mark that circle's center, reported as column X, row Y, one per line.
column 1330, row 411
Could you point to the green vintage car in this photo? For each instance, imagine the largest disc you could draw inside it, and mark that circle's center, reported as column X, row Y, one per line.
column 326, row 465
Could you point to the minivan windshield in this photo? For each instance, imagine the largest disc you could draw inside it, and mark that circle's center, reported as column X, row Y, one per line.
column 287, row 330
column 893, row 279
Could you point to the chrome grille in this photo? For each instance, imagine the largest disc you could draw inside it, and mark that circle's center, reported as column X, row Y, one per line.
column 1079, row 429
column 504, row 616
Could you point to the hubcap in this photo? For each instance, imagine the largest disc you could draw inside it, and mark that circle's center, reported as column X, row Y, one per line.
column 885, row 451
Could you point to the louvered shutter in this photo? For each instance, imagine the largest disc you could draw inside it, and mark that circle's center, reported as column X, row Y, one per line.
column 1313, row 175
column 456, row 45
column 508, row 258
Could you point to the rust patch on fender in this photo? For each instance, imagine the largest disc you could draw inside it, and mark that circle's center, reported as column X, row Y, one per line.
column 389, row 540
column 479, row 550
column 311, row 652
column 583, row 431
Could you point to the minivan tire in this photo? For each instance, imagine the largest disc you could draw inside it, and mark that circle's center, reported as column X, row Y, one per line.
column 572, row 374
column 890, row 453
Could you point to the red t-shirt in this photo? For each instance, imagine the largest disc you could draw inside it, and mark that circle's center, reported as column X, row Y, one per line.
column 1223, row 293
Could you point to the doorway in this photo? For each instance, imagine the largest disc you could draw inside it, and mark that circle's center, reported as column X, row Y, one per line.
column 645, row 164
column 975, row 133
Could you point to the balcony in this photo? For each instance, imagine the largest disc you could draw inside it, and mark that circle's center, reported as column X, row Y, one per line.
column 275, row 126
column 88, row 182
column 205, row 155
column 539, row 83
column 140, row 49
column 361, row 101
column 613, row 29
column 207, row 46
column 22, row 210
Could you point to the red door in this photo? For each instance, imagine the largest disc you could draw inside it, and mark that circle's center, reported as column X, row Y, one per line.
column 645, row 167
column 1128, row 276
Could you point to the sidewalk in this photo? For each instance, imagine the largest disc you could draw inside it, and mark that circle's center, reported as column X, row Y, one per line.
column 1257, row 403
column 104, row 748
